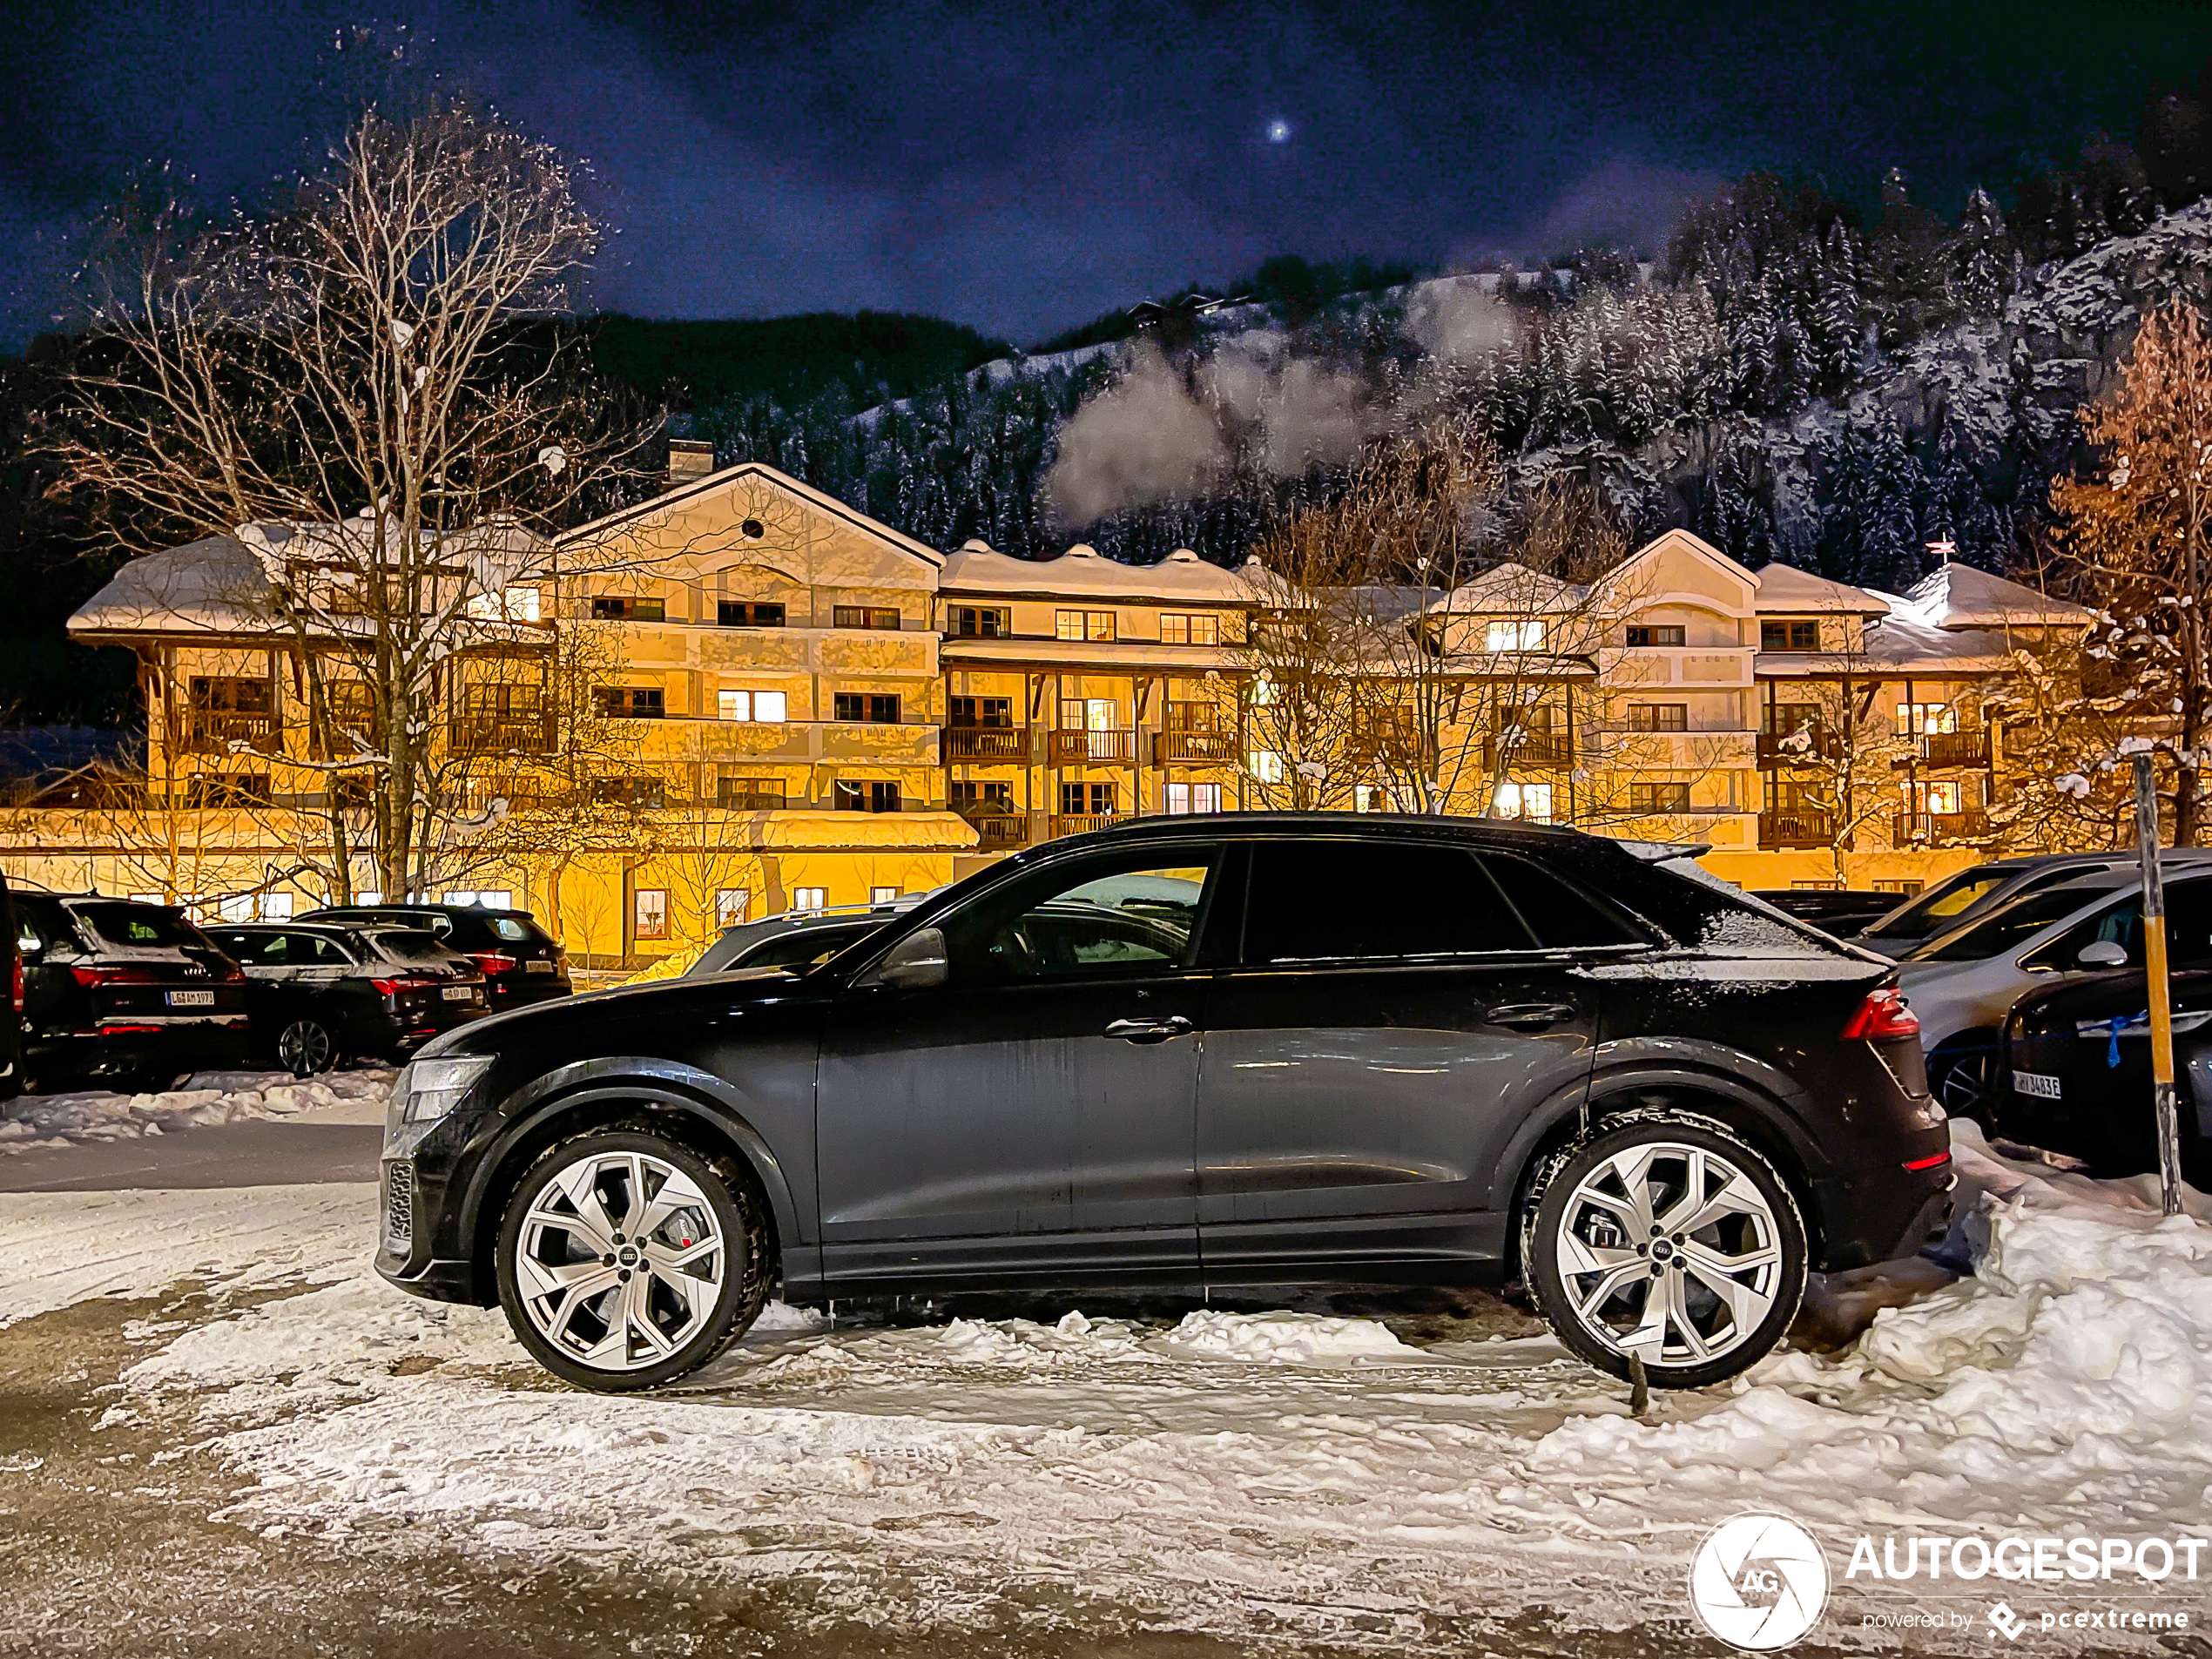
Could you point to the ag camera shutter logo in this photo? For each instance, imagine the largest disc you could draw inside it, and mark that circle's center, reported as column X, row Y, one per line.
column 1758, row 1582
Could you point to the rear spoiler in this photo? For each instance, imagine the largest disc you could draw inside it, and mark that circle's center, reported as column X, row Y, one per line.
column 1660, row 852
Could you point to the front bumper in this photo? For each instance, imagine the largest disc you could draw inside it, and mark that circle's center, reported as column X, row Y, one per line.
column 410, row 1203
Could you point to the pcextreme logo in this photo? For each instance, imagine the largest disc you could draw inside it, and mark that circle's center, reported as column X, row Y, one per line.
column 1758, row 1582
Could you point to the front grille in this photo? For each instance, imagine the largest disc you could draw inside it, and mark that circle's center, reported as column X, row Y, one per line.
column 399, row 1201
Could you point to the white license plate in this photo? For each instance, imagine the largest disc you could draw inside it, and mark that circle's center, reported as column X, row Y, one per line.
column 2037, row 1085
column 459, row 992
column 192, row 999
column 537, row 967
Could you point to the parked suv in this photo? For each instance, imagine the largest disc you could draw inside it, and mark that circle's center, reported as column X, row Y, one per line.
column 1434, row 1049
column 520, row 962
column 131, row 994
column 320, row 995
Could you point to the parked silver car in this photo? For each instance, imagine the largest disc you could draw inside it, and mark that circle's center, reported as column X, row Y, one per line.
column 1962, row 983
column 1973, row 893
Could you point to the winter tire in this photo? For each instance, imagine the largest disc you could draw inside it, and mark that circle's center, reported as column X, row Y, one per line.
column 1965, row 1082
column 1664, row 1235
column 626, row 1260
column 305, row 1047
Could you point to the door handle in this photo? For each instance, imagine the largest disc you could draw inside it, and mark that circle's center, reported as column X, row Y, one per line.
column 1149, row 1030
column 1528, row 1016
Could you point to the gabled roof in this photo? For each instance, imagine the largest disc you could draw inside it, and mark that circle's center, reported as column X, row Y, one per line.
column 1783, row 589
column 1083, row 572
column 1958, row 596
column 213, row 586
column 716, row 482
column 1508, row 587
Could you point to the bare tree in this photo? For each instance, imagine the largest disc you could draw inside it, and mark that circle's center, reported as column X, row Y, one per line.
column 366, row 391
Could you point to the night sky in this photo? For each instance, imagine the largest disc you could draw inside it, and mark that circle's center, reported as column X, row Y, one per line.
column 1020, row 167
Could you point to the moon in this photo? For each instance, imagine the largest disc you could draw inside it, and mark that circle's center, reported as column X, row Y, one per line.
column 1279, row 130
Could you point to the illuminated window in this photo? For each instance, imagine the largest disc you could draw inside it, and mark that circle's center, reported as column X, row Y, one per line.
column 1265, row 764
column 1513, row 636
column 1196, row 628
column 766, row 708
column 1530, row 801
column 1265, row 691
column 882, row 895
column 810, row 898
column 509, row 605
column 1185, row 798
column 1084, row 624
column 651, row 913
column 730, row 907
column 1925, row 719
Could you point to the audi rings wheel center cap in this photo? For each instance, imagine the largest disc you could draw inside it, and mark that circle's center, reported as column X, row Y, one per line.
column 627, row 1256
column 1661, row 1250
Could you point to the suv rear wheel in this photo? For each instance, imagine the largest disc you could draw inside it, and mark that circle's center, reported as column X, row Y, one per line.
column 1664, row 1236
column 626, row 1259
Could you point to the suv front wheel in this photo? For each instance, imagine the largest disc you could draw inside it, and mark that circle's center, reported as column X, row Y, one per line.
column 1667, row 1237
column 626, row 1260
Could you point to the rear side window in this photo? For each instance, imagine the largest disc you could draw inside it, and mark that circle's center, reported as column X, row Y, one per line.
column 519, row 929
column 1561, row 916
column 1366, row 901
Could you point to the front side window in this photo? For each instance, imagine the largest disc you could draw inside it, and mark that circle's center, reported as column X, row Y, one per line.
column 2010, row 926
column 1135, row 913
column 1318, row 901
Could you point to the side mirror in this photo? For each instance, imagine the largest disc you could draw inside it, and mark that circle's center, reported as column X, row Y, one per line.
column 917, row 962
column 2102, row 953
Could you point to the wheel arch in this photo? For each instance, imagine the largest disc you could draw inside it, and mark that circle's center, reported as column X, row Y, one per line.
column 1770, row 1119
column 693, row 1106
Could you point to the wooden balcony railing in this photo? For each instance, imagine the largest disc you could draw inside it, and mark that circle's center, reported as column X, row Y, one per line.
column 1003, row 745
column 1114, row 748
column 520, row 734
column 215, row 731
column 1801, row 748
column 1955, row 749
column 1546, row 751
column 1194, row 748
column 1063, row 824
column 998, row 832
column 1797, row 828
column 1922, row 828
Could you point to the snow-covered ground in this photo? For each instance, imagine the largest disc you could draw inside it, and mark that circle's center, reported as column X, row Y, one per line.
column 210, row 1097
column 1249, row 1474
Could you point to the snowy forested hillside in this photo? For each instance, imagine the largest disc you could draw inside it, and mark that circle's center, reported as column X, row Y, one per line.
column 1783, row 383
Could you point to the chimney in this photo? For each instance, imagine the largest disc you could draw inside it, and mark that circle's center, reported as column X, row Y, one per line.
column 689, row 461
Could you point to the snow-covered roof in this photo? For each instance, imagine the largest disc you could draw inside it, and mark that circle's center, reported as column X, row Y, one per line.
column 1083, row 572
column 610, row 526
column 1508, row 587
column 213, row 586
column 1958, row 596
column 1784, row 589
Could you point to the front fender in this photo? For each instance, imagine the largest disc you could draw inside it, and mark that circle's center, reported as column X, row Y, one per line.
column 634, row 1079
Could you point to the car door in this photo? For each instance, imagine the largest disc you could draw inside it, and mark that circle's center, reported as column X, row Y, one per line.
column 1390, row 1020
column 1032, row 1115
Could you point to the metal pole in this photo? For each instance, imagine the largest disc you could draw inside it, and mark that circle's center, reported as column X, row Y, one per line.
column 2162, row 1000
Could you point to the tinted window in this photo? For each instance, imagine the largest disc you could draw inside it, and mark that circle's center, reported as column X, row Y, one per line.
column 518, row 928
column 411, row 945
column 2189, row 924
column 2006, row 928
column 1561, row 917
column 801, row 947
column 138, row 924
column 1338, row 901
column 1940, row 903
column 313, row 950
column 1135, row 914
column 253, row 950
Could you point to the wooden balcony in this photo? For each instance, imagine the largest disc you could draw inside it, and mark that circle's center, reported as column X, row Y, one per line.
column 516, row 734
column 998, row 832
column 1536, row 751
column 1194, row 748
column 218, row 731
column 1955, row 749
column 1112, row 748
column 1808, row 747
column 986, row 746
column 1918, row 829
column 1062, row 824
column 1797, row 828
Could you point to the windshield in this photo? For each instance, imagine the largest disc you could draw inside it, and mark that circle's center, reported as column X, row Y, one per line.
column 411, row 945
column 139, row 924
column 2004, row 929
column 1939, row 905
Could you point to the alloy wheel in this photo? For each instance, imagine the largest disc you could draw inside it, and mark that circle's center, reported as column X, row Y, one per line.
column 305, row 1048
column 620, row 1261
column 1669, row 1252
column 1962, row 1087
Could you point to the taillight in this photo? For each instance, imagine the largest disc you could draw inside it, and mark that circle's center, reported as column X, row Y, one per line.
column 394, row 986
column 15, row 982
column 92, row 978
column 493, row 961
column 1882, row 1014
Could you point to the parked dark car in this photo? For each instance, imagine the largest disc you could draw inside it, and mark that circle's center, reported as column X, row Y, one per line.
column 1975, row 892
column 2075, row 1074
column 130, row 995
column 1434, row 1050
column 522, row 964
column 11, row 1010
column 1841, row 911
column 320, row 993
column 795, row 938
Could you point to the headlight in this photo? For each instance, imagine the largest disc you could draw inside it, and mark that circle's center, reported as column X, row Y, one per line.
column 427, row 1089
